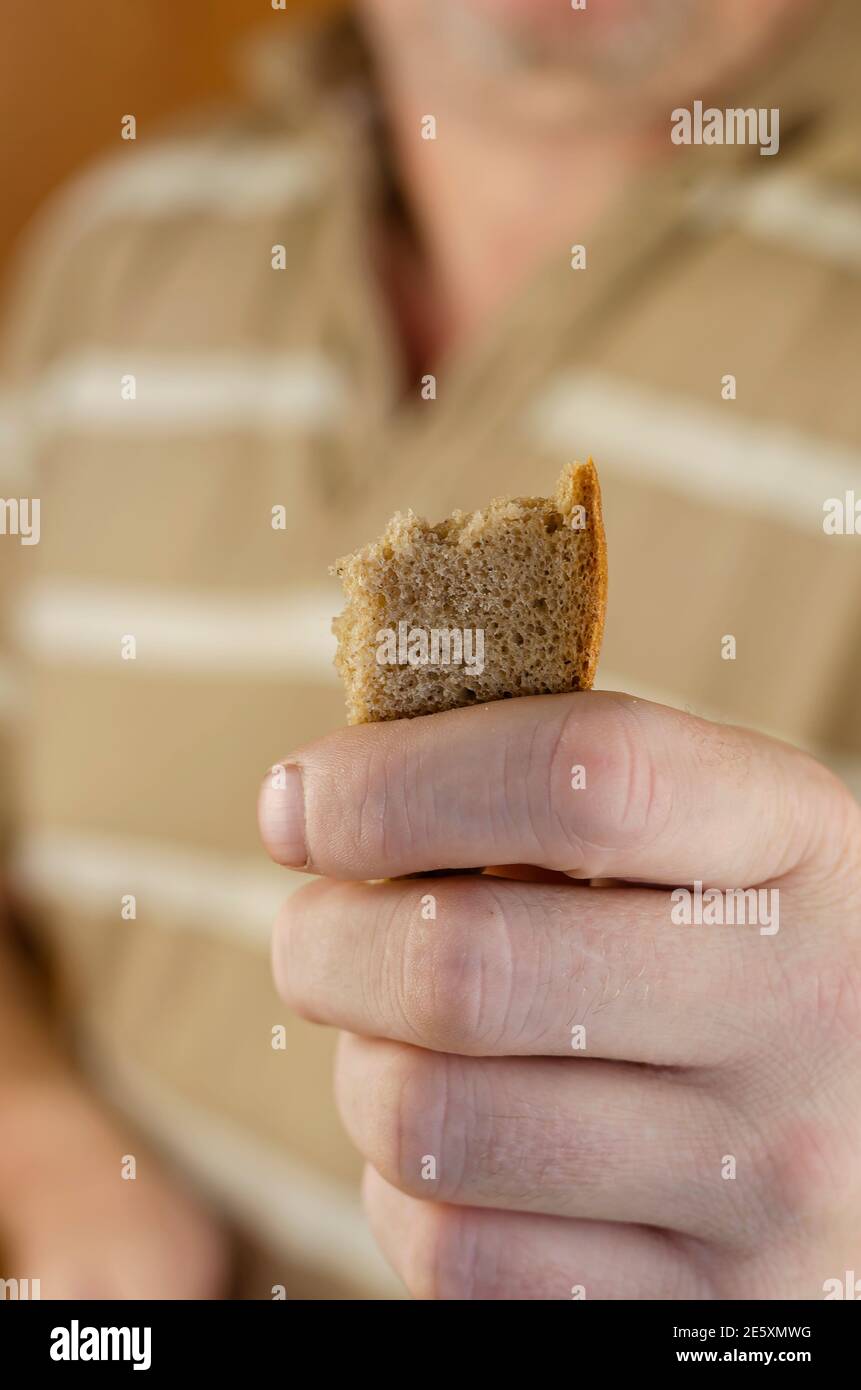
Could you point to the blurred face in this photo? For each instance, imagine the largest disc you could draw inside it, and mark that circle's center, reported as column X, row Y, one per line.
column 543, row 60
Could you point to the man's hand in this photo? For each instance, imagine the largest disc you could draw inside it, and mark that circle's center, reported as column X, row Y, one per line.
column 562, row 1089
column 67, row 1216
column 68, row 1219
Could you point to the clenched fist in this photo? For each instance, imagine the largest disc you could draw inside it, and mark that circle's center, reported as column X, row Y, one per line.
column 571, row 1090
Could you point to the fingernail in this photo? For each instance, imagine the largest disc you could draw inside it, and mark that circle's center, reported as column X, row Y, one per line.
column 281, row 816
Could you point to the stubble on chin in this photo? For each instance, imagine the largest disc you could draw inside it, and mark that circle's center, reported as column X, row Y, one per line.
column 552, row 74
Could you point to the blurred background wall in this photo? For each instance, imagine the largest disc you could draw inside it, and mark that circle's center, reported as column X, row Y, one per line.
column 70, row 71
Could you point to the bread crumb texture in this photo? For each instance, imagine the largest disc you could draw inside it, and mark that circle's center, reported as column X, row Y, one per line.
column 486, row 605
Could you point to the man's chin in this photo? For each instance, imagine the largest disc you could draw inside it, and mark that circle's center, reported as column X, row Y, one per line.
column 554, row 15
column 611, row 43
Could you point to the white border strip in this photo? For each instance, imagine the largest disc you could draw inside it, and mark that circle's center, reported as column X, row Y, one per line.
column 715, row 456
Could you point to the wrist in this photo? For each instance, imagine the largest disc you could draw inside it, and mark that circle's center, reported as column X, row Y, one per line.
column 42, row 1121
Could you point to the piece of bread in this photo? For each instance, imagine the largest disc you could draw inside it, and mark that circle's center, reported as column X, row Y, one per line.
column 484, row 606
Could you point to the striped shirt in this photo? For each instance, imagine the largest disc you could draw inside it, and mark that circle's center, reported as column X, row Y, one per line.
column 168, row 393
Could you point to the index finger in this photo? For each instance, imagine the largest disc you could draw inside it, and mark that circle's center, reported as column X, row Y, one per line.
column 592, row 784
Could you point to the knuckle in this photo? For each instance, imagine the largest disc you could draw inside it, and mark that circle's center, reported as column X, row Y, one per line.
column 811, row 1171
column 825, row 998
column 814, row 988
column 800, row 1157
column 408, row 1116
column 840, row 834
column 458, row 971
column 627, row 798
column 352, row 827
column 840, row 1001
column 364, row 825
column 444, row 1261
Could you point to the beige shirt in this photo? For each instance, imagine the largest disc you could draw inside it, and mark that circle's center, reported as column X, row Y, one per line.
column 166, row 388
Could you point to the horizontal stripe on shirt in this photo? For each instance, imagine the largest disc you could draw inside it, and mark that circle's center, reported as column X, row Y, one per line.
column 794, row 210
column 715, row 455
column 185, row 888
column 181, row 392
column 61, row 620
column 233, row 177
